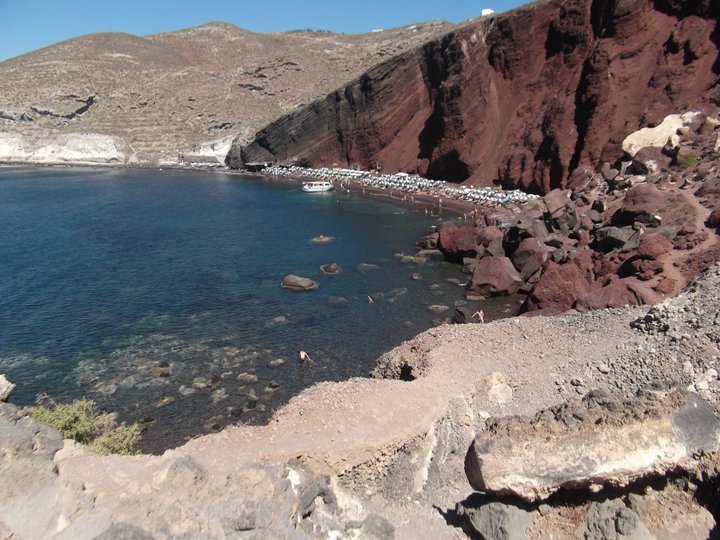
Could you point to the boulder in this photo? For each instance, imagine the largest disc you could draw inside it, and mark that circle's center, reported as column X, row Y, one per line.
column 428, row 242
column 558, row 288
column 609, row 238
column 609, row 173
column 641, row 204
column 650, row 161
column 529, row 257
column 657, row 136
column 486, row 235
column 713, row 221
column 6, row 387
column 495, row 248
column 498, row 521
column 653, row 246
column 557, row 201
column 591, row 443
column 463, row 315
column 494, row 276
column 330, row 269
column 610, row 519
column 297, row 283
column 614, row 293
column 457, row 242
column 594, row 215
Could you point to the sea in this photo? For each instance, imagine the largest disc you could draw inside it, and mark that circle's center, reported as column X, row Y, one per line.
column 157, row 293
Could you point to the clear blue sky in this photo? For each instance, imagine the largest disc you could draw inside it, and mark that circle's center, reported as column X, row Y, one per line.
column 31, row 24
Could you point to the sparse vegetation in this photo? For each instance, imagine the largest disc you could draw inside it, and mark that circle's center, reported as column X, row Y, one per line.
column 688, row 162
column 81, row 422
column 122, row 439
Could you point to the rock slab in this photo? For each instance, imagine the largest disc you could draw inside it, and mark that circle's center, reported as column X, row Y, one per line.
column 599, row 441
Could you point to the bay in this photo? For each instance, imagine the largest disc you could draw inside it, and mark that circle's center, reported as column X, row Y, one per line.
column 157, row 294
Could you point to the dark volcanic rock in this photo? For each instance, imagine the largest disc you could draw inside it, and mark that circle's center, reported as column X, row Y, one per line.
column 609, row 238
column 528, row 97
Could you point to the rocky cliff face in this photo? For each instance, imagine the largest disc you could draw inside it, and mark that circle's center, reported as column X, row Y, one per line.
column 525, row 99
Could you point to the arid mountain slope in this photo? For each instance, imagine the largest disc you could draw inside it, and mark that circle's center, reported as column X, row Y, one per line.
column 525, row 98
column 166, row 93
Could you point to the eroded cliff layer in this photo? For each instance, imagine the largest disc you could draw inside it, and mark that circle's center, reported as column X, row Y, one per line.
column 525, row 99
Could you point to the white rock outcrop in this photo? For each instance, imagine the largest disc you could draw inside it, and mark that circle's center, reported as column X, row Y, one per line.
column 6, row 387
column 66, row 148
column 657, row 137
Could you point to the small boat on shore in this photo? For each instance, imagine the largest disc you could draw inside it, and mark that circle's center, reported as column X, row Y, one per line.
column 317, row 186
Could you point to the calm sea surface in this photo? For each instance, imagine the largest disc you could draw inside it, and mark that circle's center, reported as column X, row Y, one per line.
column 157, row 293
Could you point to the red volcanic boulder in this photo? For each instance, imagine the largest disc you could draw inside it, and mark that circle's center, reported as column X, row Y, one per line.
column 457, row 242
column 641, row 204
column 653, row 245
column 585, row 260
column 558, row 287
column 486, row 235
column 495, row 276
column 614, row 293
column 530, row 256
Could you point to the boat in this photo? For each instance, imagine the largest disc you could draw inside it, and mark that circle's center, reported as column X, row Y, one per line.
column 317, row 186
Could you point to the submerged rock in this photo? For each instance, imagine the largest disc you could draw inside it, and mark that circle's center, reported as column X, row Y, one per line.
column 367, row 267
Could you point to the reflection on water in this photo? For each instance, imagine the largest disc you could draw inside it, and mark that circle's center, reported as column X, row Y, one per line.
column 157, row 294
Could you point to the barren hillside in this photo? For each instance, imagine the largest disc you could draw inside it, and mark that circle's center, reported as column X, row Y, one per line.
column 167, row 93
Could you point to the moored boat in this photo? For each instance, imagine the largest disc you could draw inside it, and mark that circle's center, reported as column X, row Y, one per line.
column 317, row 187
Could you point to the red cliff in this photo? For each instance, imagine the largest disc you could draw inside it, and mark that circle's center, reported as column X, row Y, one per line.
column 522, row 99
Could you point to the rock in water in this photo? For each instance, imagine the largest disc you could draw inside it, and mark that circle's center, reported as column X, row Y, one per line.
column 5, row 388
column 330, row 269
column 297, row 283
column 599, row 441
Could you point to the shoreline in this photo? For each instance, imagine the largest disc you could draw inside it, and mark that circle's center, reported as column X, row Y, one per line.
column 435, row 204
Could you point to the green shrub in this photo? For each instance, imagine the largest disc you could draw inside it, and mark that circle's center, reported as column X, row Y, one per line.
column 121, row 440
column 81, row 422
column 74, row 420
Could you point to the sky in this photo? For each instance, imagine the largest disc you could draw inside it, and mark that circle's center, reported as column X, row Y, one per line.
column 32, row 24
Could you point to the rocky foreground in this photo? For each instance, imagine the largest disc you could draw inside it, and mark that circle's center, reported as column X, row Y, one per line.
column 595, row 425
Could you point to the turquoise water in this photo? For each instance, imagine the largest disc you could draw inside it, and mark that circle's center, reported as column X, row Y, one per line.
column 157, row 293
